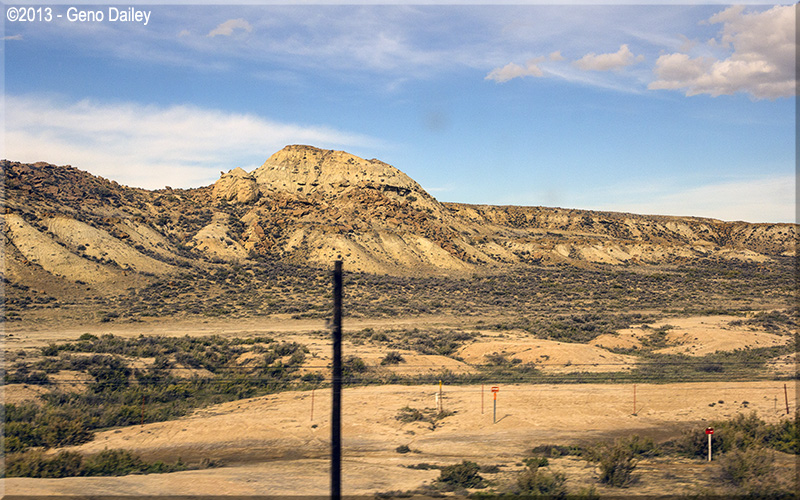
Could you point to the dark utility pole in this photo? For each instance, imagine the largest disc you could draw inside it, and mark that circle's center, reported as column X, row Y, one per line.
column 336, row 417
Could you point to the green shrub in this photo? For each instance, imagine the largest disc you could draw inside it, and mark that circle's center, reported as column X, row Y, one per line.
column 617, row 463
column 35, row 464
column 392, row 358
column 352, row 365
column 13, row 444
column 553, row 450
column 429, row 415
column 423, row 466
column 741, row 432
column 114, row 463
column 112, row 400
column 109, row 373
column 464, row 475
column 640, row 446
column 50, row 350
column 658, row 338
column 739, row 467
column 587, row 493
column 443, row 342
column 287, row 348
column 752, row 474
column 29, row 426
column 297, row 358
column 535, row 482
column 408, row 414
column 536, row 462
column 23, row 375
column 785, row 436
column 61, row 431
column 376, row 337
column 313, row 377
column 67, row 464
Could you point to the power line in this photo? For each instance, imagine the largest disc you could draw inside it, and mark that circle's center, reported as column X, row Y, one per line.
column 515, row 366
column 400, row 382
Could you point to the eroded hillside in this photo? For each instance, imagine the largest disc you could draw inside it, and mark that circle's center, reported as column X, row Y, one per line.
column 308, row 206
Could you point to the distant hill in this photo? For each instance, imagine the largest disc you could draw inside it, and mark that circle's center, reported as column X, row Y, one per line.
column 306, row 205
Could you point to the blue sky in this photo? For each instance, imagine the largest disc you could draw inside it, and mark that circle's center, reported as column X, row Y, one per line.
column 673, row 109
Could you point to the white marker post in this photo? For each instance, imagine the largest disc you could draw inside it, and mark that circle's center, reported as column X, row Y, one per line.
column 495, row 390
column 709, row 432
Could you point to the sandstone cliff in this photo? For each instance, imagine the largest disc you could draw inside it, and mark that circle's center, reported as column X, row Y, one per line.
column 306, row 205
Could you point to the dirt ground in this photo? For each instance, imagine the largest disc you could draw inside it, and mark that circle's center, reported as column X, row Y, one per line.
column 279, row 444
column 271, row 445
column 695, row 336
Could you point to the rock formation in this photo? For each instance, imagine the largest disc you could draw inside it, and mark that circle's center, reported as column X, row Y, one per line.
column 306, row 170
column 237, row 186
column 306, row 205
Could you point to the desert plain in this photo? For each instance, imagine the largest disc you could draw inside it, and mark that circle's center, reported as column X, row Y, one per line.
column 279, row 444
column 178, row 341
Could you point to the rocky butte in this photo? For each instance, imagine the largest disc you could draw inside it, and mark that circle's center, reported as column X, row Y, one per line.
column 310, row 206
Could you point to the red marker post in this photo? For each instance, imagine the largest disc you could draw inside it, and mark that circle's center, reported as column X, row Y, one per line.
column 709, row 432
column 495, row 390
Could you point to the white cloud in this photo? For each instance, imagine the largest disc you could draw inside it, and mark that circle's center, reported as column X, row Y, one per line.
column 13, row 37
column 766, row 199
column 762, row 61
column 513, row 70
column 228, row 27
column 151, row 146
column 607, row 62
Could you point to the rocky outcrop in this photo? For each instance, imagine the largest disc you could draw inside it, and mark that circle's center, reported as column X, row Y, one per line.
column 631, row 236
column 306, row 170
column 309, row 206
column 236, row 186
column 41, row 249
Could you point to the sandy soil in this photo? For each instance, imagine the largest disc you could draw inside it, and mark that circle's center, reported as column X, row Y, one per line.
column 271, row 445
column 551, row 356
column 695, row 336
column 704, row 335
column 18, row 393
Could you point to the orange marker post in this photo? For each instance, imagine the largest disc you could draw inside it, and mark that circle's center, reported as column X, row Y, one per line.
column 495, row 390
